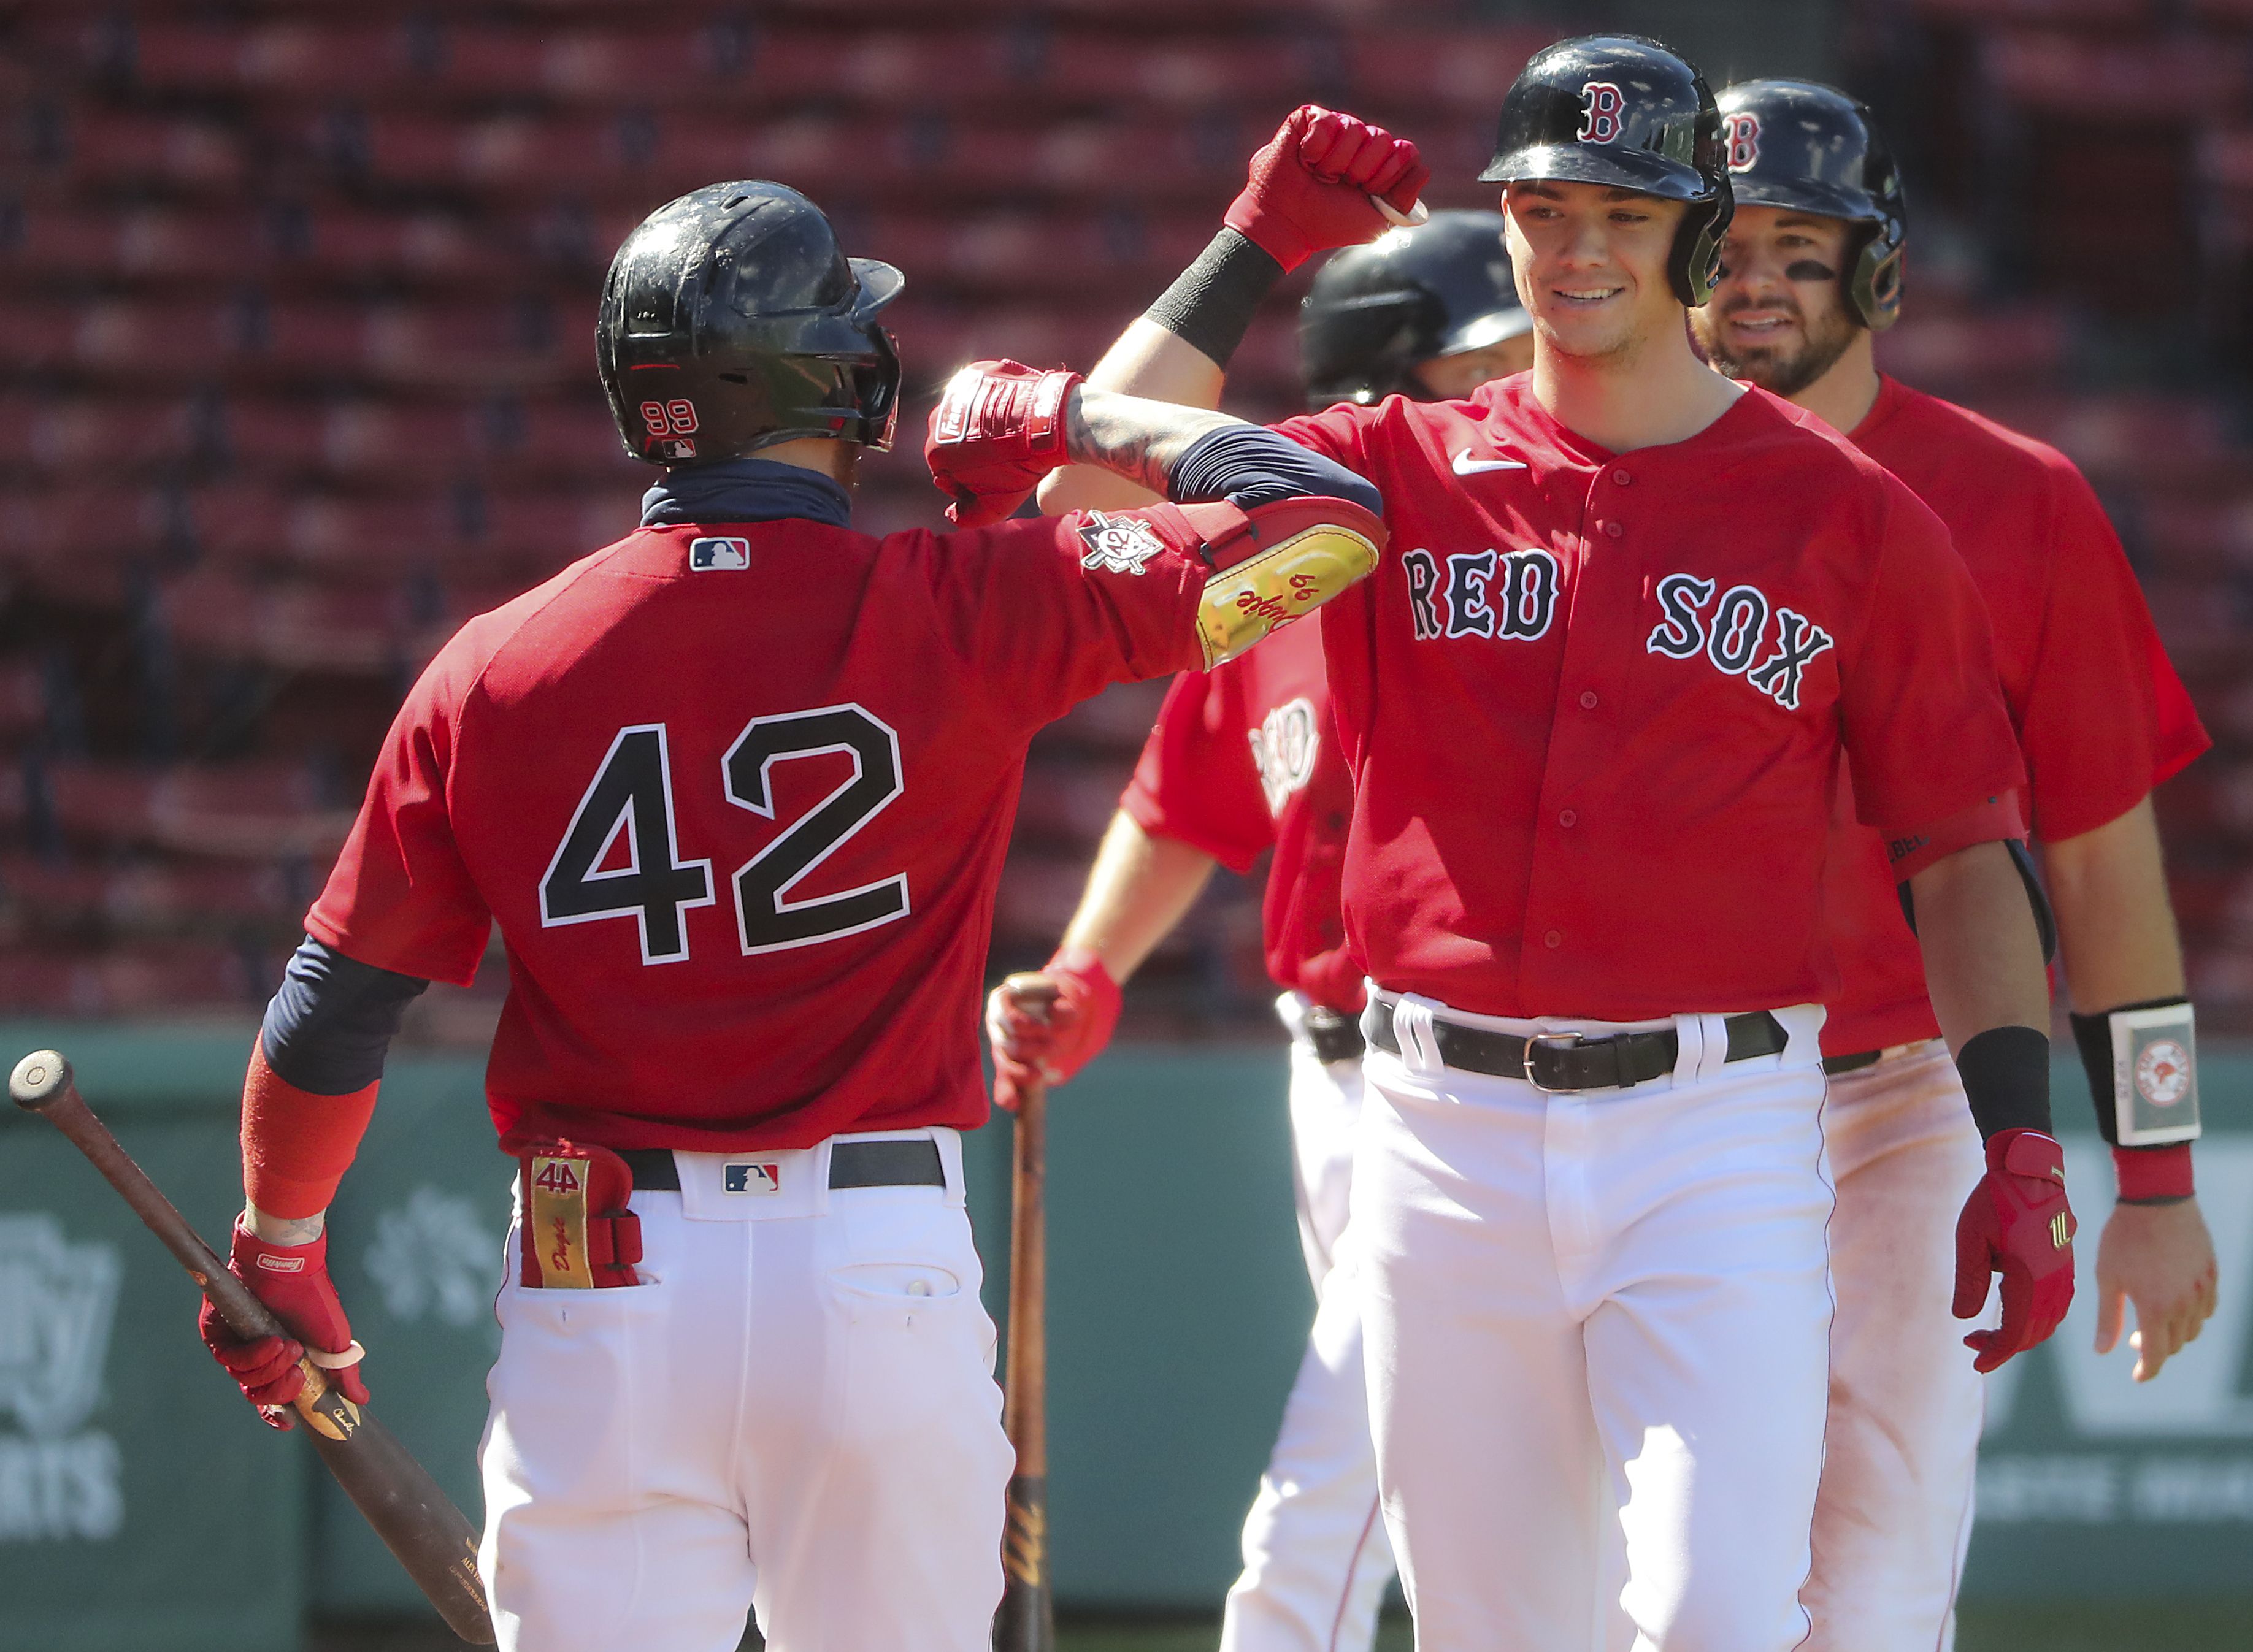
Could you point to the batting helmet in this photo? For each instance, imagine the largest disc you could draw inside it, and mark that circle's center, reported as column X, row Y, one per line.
column 1435, row 289
column 730, row 321
column 1810, row 148
column 1625, row 111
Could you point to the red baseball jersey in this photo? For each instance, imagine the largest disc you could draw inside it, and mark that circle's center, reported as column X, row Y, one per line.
column 738, row 798
column 2101, row 715
column 1244, row 756
column 1593, row 704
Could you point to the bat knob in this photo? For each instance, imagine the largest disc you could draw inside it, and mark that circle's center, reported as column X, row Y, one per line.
column 38, row 1078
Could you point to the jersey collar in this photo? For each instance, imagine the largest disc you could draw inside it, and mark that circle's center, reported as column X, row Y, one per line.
column 745, row 491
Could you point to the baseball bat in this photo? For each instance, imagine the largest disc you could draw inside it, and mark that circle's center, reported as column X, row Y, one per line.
column 416, row 1521
column 1027, row 1620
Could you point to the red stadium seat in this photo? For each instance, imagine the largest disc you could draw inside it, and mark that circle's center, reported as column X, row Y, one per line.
column 2181, row 81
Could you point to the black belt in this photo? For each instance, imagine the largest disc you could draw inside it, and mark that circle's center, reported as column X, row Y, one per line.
column 1335, row 1037
column 913, row 1163
column 1567, row 1061
column 1835, row 1064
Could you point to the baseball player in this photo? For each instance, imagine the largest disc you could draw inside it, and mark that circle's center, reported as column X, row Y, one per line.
column 1591, row 708
column 1242, row 759
column 1811, row 270
column 736, row 791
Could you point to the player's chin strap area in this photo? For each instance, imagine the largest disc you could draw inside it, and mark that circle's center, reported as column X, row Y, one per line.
column 1277, row 563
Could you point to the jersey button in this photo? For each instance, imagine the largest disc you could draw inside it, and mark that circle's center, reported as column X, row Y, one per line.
column 1568, row 818
column 1554, row 938
column 1587, row 700
column 1622, row 477
column 1615, row 529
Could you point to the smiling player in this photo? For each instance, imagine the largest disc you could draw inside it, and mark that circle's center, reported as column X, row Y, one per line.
column 1812, row 270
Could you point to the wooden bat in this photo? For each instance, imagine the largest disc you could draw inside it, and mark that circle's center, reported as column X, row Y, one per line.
column 416, row 1521
column 1027, row 1619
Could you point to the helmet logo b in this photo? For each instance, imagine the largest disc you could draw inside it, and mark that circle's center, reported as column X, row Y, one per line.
column 1600, row 104
column 1743, row 130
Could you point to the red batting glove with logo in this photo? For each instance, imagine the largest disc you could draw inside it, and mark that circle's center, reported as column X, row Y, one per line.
column 1044, row 1028
column 997, row 431
column 1310, row 186
column 2015, row 1224
column 293, row 1281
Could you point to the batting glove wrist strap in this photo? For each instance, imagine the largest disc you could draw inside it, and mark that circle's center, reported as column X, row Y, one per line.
column 2142, row 1062
column 2017, row 1224
column 998, row 429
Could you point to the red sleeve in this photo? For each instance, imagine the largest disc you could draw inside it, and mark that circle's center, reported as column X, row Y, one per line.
column 1927, row 733
column 1045, row 612
column 1335, row 433
column 401, row 897
column 2105, row 717
column 1197, row 782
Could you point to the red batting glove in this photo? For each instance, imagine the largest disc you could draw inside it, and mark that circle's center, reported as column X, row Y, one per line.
column 1044, row 1028
column 2015, row 1224
column 1310, row 187
column 293, row 1281
column 995, row 433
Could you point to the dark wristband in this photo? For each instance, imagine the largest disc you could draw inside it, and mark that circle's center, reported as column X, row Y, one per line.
column 2092, row 1037
column 1211, row 303
column 2006, row 1073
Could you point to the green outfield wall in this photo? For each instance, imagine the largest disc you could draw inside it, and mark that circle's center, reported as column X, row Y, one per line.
column 135, row 1490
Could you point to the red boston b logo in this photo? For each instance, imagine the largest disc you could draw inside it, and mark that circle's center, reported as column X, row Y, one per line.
column 1599, row 112
column 1744, row 141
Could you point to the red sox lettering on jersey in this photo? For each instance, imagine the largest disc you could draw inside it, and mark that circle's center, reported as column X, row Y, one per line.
column 1589, row 673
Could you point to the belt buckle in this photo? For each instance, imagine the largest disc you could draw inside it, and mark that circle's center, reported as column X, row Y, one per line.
column 1569, row 1041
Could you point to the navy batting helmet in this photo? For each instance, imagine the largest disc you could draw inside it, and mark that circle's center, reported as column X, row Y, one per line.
column 1810, row 148
column 1625, row 111
column 1435, row 289
column 731, row 320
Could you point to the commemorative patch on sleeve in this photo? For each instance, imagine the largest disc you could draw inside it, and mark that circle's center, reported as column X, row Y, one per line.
column 1118, row 544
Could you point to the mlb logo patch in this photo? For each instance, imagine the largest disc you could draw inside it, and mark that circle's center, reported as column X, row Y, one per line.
column 704, row 555
column 676, row 451
column 756, row 1177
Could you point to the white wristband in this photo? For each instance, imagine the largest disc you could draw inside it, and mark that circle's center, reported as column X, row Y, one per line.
column 2154, row 1076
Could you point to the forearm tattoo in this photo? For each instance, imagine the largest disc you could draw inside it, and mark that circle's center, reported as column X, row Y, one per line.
column 1141, row 441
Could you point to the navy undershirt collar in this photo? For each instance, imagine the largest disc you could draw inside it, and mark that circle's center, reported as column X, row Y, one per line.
column 745, row 491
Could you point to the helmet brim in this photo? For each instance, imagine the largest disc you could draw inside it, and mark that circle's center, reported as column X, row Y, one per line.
column 1609, row 163
column 1806, row 195
column 1495, row 326
column 880, row 283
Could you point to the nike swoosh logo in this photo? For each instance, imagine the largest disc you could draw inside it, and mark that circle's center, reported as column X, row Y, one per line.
column 1465, row 465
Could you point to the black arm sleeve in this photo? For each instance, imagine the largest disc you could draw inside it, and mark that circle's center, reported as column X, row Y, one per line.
column 331, row 1024
column 1248, row 465
column 1212, row 301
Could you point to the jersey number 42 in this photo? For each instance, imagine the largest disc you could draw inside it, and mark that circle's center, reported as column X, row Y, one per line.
column 631, row 797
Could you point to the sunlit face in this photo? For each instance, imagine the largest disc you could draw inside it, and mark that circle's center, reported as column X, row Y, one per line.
column 1779, row 316
column 1591, row 263
column 1452, row 378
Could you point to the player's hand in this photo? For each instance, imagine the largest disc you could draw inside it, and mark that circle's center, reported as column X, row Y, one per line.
column 1311, row 187
column 1045, row 1027
column 997, row 431
column 2160, row 1257
column 293, row 1281
column 2015, row 1224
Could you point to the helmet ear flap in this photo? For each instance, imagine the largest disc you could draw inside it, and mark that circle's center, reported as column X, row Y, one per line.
column 1694, row 267
column 1874, row 289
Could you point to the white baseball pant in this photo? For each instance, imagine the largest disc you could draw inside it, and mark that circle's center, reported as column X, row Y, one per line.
column 796, row 1410
column 1894, row 1514
column 1315, row 1559
column 1598, row 1331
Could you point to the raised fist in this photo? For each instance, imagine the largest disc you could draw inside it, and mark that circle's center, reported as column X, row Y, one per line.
column 2015, row 1224
column 1045, row 1027
column 1311, row 187
column 998, row 429
column 293, row 1281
